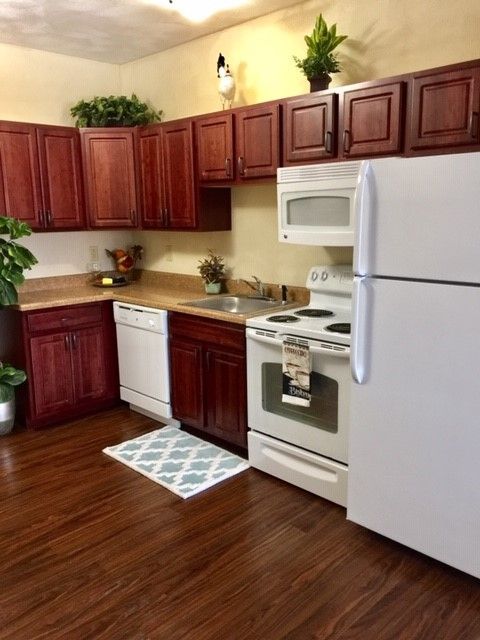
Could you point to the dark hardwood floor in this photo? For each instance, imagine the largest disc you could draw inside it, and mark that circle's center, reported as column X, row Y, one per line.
column 91, row 549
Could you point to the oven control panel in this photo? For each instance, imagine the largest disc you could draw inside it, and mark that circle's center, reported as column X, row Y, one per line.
column 331, row 278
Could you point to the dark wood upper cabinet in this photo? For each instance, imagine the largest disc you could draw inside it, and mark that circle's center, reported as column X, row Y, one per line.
column 257, row 142
column 444, row 110
column 20, row 189
column 215, row 148
column 239, row 146
column 41, row 177
column 371, row 120
column 180, row 205
column 151, row 189
column 61, row 176
column 169, row 193
column 309, row 128
column 110, row 180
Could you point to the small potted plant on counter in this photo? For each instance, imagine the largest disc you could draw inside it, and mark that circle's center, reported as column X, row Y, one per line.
column 212, row 270
column 320, row 61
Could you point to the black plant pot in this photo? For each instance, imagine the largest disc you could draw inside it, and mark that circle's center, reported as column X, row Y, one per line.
column 319, row 83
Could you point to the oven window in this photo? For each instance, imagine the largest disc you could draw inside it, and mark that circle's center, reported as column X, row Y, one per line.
column 315, row 211
column 323, row 409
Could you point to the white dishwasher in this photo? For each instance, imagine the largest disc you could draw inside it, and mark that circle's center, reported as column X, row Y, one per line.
column 142, row 338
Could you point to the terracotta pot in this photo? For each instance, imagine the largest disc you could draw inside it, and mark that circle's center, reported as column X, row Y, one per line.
column 319, row 83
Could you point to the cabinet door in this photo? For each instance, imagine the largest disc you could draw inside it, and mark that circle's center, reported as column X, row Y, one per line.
column 20, row 192
column 309, row 129
column 152, row 197
column 89, row 370
column 227, row 398
column 61, row 174
column 372, row 120
column 186, row 376
column 110, row 178
column 50, row 379
column 178, row 173
column 215, row 148
column 445, row 109
column 257, row 142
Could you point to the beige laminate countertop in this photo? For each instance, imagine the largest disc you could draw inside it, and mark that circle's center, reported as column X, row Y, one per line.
column 168, row 296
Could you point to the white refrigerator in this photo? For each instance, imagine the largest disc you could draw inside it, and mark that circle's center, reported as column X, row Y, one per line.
column 414, row 450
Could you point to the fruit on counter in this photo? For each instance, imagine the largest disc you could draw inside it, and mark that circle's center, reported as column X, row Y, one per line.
column 125, row 263
column 125, row 259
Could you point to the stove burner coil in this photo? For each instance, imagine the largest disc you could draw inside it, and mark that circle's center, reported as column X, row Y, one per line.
column 314, row 313
column 339, row 327
column 283, row 319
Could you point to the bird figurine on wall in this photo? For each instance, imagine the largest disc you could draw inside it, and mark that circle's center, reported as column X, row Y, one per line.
column 226, row 84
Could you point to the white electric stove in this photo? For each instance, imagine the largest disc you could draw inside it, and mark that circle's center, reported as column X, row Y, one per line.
column 306, row 446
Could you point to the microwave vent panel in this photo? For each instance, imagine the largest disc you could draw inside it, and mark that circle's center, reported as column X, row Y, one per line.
column 315, row 172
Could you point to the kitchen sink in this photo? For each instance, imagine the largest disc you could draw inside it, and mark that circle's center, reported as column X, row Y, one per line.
column 234, row 304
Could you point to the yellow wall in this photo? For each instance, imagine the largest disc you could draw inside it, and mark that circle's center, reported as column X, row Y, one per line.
column 385, row 37
column 38, row 86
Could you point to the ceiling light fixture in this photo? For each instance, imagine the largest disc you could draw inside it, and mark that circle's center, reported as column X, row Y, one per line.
column 197, row 11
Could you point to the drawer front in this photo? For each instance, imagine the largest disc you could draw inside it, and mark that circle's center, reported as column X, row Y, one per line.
column 64, row 318
column 215, row 332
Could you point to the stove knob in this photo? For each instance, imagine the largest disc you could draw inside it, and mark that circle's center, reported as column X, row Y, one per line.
column 314, row 276
column 324, row 275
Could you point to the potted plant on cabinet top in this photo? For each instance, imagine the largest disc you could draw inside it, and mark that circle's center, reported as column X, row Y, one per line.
column 320, row 61
column 14, row 259
column 114, row 111
column 212, row 270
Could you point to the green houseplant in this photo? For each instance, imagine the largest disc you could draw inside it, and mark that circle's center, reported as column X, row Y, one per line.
column 320, row 60
column 212, row 270
column 14, row 259
column 113, row 111
column 10, row 377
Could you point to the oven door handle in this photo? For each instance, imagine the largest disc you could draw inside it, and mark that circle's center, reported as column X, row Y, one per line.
column 328, row 350
column 344, row 352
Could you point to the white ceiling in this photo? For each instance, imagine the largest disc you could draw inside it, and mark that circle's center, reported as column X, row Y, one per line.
column 115, row 31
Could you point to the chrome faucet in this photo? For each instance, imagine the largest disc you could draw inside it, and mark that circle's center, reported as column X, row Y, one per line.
column 258, row 287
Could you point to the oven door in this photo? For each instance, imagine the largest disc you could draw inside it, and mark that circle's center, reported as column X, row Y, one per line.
column 320, row 428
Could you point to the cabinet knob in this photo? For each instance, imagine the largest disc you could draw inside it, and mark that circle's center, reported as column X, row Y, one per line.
column 133, row 216
column 473, row 124
column 74, row 340
column 67, row 342
column 346, row 141
column 228, row 167
column 48, row 215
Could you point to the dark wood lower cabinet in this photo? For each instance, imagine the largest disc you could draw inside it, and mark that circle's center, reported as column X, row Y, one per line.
column 70, row 356
column 208, row 376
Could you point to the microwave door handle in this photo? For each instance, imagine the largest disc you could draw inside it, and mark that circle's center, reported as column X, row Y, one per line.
column 363, row 205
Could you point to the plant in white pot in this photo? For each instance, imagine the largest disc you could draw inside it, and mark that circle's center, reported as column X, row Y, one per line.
column 14, row 259
column 10, row 377
column 212, row 270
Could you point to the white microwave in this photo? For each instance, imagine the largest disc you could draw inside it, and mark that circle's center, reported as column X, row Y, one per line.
column 316, row 203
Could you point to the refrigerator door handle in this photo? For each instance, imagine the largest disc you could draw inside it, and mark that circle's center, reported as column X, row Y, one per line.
column 359, row 330
column 363, row 216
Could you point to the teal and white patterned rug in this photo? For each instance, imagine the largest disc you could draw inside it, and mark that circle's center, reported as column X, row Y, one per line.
column 178, row 461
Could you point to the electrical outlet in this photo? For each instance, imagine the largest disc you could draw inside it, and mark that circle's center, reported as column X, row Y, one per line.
column 169, row 253
column 93, row 266
column 93, row 253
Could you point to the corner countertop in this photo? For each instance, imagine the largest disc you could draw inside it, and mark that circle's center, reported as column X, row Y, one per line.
column 153, row 289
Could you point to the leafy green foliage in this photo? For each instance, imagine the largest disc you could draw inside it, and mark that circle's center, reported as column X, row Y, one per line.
column 320, row 45
column 9, row 378
column 113, row 111
column 212, row 268
column 14, row 259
